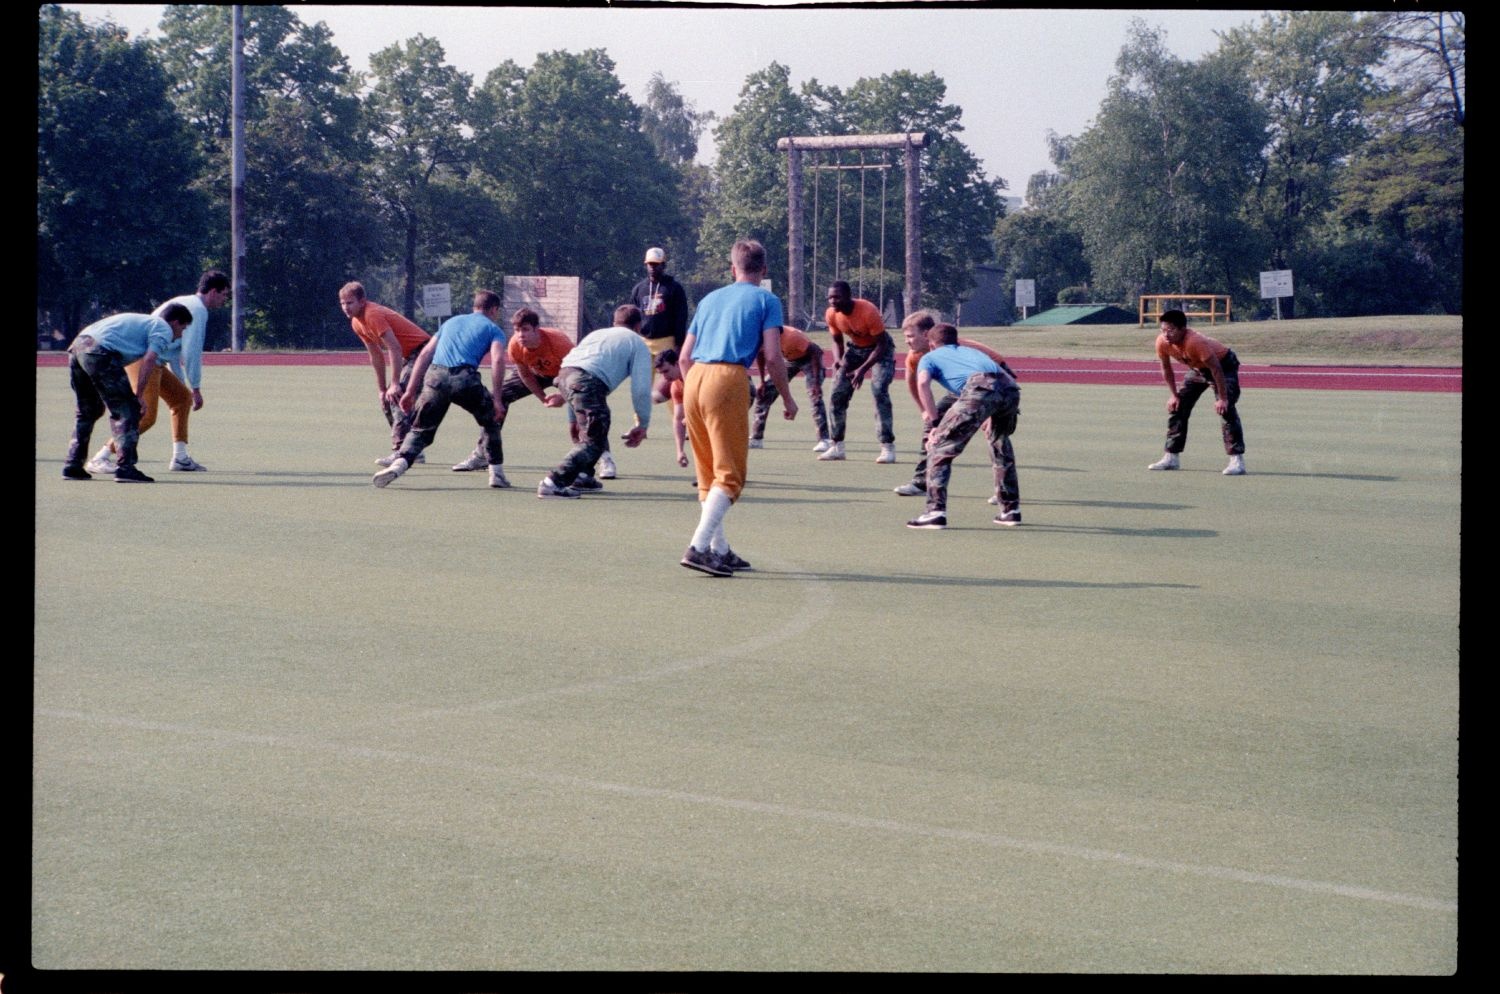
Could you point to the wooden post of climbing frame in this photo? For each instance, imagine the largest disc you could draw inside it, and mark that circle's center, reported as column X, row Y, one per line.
column 913, row 295
column 794, row 235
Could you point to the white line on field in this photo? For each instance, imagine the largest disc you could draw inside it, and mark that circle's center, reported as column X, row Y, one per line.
column 815, row 608
column 912, row 829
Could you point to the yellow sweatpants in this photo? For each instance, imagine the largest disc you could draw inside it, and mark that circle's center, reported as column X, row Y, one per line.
column 718, row 425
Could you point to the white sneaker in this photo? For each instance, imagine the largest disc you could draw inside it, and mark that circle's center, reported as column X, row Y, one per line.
column 834, row 452
column 187, row 464
column 756, row 443
column 887, row 454
column 1236, row 466
column 395, row 469
column 607, row 467
column 391, row 459
column 822, row 445
column 910, row 490
column 103, row 462
column 476, row 460
column 993, row 499
column 549, row 489
column 1167, row 461
column 497, row 477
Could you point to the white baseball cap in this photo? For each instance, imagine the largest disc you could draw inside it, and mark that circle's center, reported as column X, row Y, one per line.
column 656, row 255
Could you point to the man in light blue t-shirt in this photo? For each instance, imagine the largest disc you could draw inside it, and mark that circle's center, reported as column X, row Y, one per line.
column 96, row 371
column 985, row 393
column 447, row 369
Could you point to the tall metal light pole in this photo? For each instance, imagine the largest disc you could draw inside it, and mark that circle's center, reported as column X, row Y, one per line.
column 237, row 180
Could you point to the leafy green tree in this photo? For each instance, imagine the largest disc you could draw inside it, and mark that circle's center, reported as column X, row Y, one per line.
column 118, row 223
column 1042, row 242
column 416, row 112
column 560, row 148
column 1160, row 177
column 1314, row 72
column 309, row 226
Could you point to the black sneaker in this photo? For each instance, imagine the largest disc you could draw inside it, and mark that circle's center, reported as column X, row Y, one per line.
column 733, row 561
column 932, row 520
column 129, row 474
column 705, row 562
column 76, row 473
column 548, row 489
column 587, row 484
column 1009, row 518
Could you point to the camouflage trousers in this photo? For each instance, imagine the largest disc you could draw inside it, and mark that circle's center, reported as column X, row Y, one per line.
column 99, row 382
column 1193, row 386
column 398, row 419
column 1007, row 488
column 588, row 398
column 880, row 388
column 442, row 387
column 992, row 396
column 811, row 368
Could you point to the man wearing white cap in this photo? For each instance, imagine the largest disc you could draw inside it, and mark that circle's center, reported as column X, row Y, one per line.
column 664, row 312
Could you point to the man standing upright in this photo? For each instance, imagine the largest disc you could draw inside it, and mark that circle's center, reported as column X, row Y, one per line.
column 869, row 352
column 590, row 371
column 447, row 370
column 732, row 325
column 177, row 376
column 385, row 333
column 663, row 304
column 1209, row 363
column 96, row 371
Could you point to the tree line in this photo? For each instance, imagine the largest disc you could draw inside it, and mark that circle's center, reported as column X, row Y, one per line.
column 412, row 173
column 1329, row 143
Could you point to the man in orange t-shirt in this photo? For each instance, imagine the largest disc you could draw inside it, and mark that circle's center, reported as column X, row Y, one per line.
column 536, row 356
column 385, row 333
column 1209, row 363
column 804, row 356
column 868, row 352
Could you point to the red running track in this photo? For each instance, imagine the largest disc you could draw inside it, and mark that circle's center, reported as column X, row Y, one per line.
column 1112, row 372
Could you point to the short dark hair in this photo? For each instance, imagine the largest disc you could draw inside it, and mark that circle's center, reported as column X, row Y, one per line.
column 526, row 316
column 665, row 359
column 842, row 286
column 1175, row 318
column 212, row 280
column 946, row 333
column 177, row 314
column 486, row 300
column 627, row 316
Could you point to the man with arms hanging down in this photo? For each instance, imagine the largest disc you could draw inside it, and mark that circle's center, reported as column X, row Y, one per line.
column 1209, row 363
column 385, row 333
column 869, row 352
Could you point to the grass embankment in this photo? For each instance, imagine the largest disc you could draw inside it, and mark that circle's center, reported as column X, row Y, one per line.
column 1401, row 340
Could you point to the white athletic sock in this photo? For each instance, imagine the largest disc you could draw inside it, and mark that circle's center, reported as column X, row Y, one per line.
column 711, row 521
column 179, row 450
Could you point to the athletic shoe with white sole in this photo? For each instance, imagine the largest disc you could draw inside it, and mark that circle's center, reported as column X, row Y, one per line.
column 757, row 443
column 833, row 453
column 931, row 520
column 1167, row 461
column 388, row 460
column 387, row 475
column 607, row 470
column 887, row 454
column 129, row 474
column 909, row 490
column 1236, row 466
column 705, row 562
column 1008, row 518
column 476, row 460
column 822, row 445
column 586, row 484
column 548, row 489
column 103, row 462
column 497, row 477
column 187, row 464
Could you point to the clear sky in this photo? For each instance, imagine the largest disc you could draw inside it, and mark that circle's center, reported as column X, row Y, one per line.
column 1015, row 73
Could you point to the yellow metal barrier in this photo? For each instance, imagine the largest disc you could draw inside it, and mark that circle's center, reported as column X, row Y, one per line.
column 1152, row 305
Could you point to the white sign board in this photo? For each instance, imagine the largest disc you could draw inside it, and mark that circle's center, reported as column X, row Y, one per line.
column 1276, row 283
column 1025, row 293
column 437, row 300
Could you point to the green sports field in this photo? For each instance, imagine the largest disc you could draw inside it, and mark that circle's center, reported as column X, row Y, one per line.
column 1176, row 722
